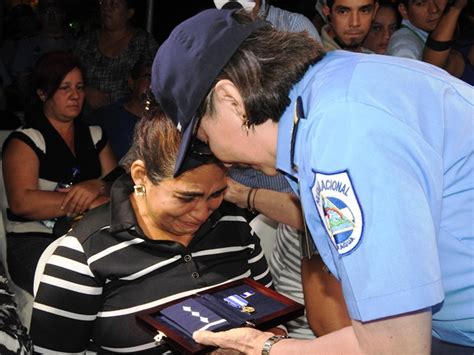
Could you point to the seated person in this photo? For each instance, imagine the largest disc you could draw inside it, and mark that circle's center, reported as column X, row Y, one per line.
column 159, row 238
column 386, row 22
column 109, row 53
column 54, row 147
column 420, row 17
column 119, row 119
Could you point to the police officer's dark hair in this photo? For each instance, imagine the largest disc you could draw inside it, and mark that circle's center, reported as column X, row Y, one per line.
column 264, row 68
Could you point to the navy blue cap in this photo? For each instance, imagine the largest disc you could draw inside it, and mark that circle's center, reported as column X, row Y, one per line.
column 187, row 64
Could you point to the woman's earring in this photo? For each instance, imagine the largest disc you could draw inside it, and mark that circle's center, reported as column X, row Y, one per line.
column 139, row 190
column 246, row 123
column 147, row 105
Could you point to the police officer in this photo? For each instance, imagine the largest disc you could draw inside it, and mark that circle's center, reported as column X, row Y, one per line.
column 380, row 151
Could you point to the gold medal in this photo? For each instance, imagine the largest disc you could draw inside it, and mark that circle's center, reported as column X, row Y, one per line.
column 247, row 309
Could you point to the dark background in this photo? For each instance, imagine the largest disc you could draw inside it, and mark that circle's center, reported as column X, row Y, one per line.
column 168, row 14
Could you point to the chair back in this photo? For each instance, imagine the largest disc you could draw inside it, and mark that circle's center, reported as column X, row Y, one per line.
column 23, row 299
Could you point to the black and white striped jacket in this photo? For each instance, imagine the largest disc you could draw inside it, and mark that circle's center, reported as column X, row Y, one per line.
column 105, row 270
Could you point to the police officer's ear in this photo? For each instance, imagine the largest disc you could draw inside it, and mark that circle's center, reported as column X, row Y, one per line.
column 226, row 93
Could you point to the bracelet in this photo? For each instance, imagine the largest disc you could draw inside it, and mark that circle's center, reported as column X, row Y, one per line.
column 267, row 346
column 253, row 201
column 438, row 46
column 248, row 199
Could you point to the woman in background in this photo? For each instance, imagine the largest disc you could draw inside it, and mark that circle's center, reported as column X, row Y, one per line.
column 109, row 54
column 54, row 148
column 387, row 20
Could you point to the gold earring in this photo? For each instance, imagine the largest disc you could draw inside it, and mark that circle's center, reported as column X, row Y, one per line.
column 147, row 105
column 245, row 123
column 139, row 190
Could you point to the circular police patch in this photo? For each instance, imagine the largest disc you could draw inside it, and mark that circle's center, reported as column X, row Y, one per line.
column 339, row 209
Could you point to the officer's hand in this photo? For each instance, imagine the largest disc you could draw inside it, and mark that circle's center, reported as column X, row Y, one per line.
column 236, row 193
column 225, row 352
column 245, row 340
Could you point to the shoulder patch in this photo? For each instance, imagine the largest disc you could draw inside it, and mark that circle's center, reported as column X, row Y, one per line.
column 339, row 209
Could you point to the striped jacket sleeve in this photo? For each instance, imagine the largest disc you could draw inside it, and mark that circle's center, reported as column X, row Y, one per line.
column 258, row 264
column 67, row 301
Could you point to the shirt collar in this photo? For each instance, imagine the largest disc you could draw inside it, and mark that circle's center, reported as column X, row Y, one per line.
column 122, row 215
column 286, row 127
column 423, row 35
column 328, row 42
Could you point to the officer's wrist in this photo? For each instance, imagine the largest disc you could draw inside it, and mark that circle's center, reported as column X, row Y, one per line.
column 255, row 346
column 271, row 342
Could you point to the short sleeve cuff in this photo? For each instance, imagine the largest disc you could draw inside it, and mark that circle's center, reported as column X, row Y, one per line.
column 393, row 304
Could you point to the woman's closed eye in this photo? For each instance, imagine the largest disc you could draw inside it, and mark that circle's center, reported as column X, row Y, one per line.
column 186, row 199
column 218, row 193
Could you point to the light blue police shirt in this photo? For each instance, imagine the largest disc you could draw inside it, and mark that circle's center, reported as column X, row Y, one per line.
column 385, row 164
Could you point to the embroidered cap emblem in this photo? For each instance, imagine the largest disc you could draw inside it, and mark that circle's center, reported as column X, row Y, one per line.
column 339, row 210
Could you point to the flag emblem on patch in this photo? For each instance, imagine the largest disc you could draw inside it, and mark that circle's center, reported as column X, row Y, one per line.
column 339, row 209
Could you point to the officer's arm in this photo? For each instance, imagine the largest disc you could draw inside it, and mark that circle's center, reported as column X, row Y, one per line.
column 404, row 334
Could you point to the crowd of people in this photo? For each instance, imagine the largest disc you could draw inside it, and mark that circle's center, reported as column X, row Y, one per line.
column 130, row 160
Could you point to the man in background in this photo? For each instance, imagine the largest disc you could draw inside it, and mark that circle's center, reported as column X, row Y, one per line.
column 349, row 23
column 420, row 17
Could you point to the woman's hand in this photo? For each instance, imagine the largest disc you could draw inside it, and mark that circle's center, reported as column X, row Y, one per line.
column 99, row 201
column 79, row 197
column 225, row 352
column 245, row 340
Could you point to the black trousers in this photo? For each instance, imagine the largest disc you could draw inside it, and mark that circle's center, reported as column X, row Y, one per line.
column 23, row 253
